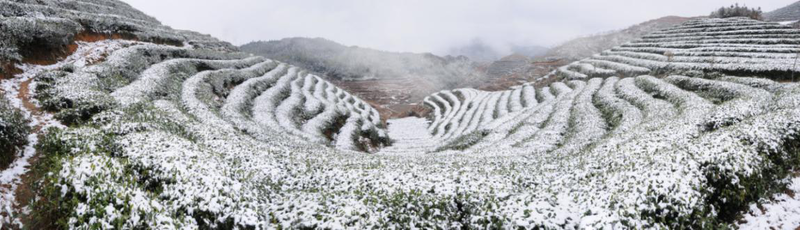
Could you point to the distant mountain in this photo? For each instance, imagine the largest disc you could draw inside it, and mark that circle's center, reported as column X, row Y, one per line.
column 584, row 47
column 786, row 13
column 481, row 52
column 339, row 62
column 508, row 65
column 529, row 51
column 368, row 73
column 477, row 51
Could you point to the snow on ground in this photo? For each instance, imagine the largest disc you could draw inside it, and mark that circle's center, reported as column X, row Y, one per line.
column 410, row 136
column 709, row 44
column 212, row 168
column 87, row 53
column 781, row 212
column 11, row 177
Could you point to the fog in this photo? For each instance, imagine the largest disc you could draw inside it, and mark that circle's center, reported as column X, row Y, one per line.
column 422, row 25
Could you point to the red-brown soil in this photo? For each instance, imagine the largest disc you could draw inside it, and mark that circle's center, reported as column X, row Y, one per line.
column 393, row 98
column 24, row 193
column 398, row 98
column 44, row 56
column 536, row 70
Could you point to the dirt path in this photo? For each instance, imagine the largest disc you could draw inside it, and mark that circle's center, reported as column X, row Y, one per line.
column 14, row 186
column 24, row 94
column 15, row 181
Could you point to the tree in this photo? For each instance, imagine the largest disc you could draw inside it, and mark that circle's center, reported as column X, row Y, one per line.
column 737, row 11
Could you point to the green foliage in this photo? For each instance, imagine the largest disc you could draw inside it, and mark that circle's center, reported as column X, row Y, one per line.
column 415, row 208
column 14, row 130
column 465, row 141
column 53, row 204
column 70, row 111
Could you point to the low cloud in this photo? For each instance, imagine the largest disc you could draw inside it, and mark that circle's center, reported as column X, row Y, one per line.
column 421, row 25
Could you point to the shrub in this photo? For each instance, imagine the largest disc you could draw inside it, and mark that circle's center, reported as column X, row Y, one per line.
column 13, row 132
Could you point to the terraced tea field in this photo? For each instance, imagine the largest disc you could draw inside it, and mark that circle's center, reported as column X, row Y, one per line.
column 739, row 46
column 244, row 141
column 145, row 133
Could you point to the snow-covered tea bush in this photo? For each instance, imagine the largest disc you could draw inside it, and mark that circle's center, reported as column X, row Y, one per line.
column 736, row 45
column 636, row 152
column 14, row 131
column 42, row 30
column 213, row 141
column 196, row 137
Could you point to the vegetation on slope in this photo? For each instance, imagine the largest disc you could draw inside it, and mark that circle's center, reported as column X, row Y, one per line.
column 169, row 137
column 737, row 46
column 584, row 47
column 14, row 131
column 600, row 128
column 41, row 32
column 737, row 11
column 338, row 62
column 393, row 81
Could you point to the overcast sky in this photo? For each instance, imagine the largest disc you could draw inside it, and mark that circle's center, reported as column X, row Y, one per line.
column 421, row 25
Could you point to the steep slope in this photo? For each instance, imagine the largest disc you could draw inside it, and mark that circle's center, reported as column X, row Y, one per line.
column 786, row 13
column 65, row 62
column 644, row 151
column 535, row 70
column 44, row 31
column 739, row 46
column 185, row 112
column 13, row 133
column 508, row 65
column 392, row 81
column 584, row 47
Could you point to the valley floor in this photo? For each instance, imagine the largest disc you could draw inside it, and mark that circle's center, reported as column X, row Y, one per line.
column 410, row 136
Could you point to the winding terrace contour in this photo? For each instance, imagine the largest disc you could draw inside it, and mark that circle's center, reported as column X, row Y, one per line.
column 190, row 136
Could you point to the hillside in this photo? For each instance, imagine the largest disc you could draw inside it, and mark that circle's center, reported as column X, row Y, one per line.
column 127, row 86
column 681, row 143
column 503, row 74
column 738, row 46
column 126, row 129
column 786, row 13
column 477, row 51
column 584, row 47
column 481, row 52
column 43, row 31
column 391, row 81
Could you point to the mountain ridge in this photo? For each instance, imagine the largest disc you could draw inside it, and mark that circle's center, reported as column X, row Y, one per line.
column 790, row 12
